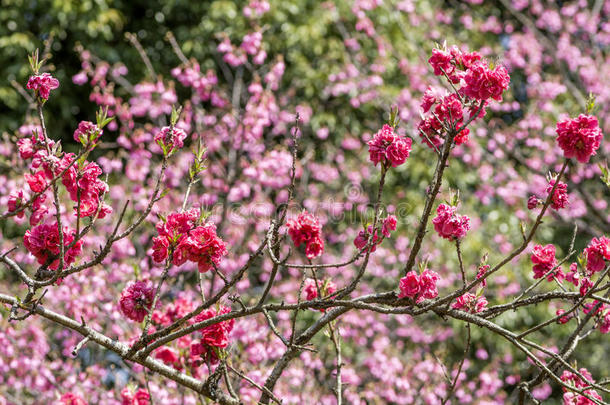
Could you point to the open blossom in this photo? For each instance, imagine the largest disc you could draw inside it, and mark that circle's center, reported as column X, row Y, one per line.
column 306, row 229
column 543, row 258
column 585, row 285
column 419, row 286
column 482, row 83
column 171, row 138
column 563, row 319
column 604, row 326
column 597, row 253
column 70, row 398
column 36, row 181
column 87, row 131
column 389, row 225
column 42, row 241
column 202, row 246
column 310, row 289
column 362, row 239
column 389, row 148
column 166, row 355
column 579, row 137
column 572, row 398
column 139, row 397
column 470, row 303
column 560, row 195
column 136, row 300
column 43, row 84
column 196, row 243
column 573, row 276
column 450, row 225
column 213, row 337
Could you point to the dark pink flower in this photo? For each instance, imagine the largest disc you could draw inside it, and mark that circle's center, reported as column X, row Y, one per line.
column 560, row 196
column 36, row 181
column 310, row 289
column 409, row 285
column 166, row 355
column 306, row 228
column 170, row 139
column 70, row 398
column 532, row 202
column 441, row 61
column 427, row 284
column 136, row 300
column 563, row 319
column 363, row 237
column 202, row 246
column 470, row 303
column 585, row 285
column 450, row 225
column 388, row 148
column 573, row 276
column 481, row 273
column 389, row 225
column 215, row 336
column 42, row 84
column 597, row 253
column 87, row 132
column 579, row 137
column 140, row 397
column 482, row 83
column 543, row 258
column 42, row 241
column 15, row 200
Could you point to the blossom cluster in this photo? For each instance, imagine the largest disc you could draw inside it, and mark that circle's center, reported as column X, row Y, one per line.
column 306, row 229
column 181, row 235
column 136, row 299
column 389, row 148
column 42, row 84
column 43, row 241
column 450, row 225
column 419, row 286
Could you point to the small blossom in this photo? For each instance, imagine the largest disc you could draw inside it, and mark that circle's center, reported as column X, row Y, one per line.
column 579, row 137
column 532, row 202
column 70, row 398
column 170, row 139
column 563, row 319
column 389, row 225
column 36, row 181
column 597, row 253
column 573, row 276
column 419, row 287
column 450, row 225
column 409, row 285
column 481, row 274
column 136, row 300
column 87, row 132
column 306, row 228
column 470, row 303
column 585, row 285
column 543, row 258
column 42, row 84
column 388, row 148
column 15, row 200
column 140, row 397
column 42, row 241
column 560, row 196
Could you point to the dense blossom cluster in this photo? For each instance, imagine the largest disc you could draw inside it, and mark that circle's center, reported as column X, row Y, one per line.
column 572, row 398
column 306, row 229
column 180, row 235
column 450, row 225
column 579, row 137
column 43, row 241
column 185, row 236
column 477, row 83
